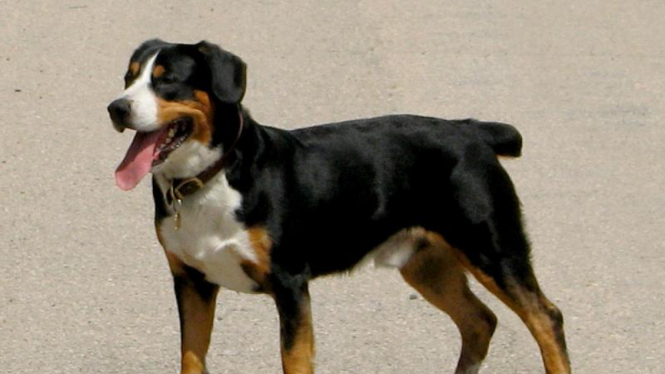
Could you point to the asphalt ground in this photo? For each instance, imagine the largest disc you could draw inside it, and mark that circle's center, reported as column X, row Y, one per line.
column 84, row 286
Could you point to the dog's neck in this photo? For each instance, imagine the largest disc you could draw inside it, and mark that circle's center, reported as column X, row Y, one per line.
column 202, row 164
column 193, row 159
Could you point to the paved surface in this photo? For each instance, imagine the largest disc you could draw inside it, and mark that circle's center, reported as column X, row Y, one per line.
column 84, row 287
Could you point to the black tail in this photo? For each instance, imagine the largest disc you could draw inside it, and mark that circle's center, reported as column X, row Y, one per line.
column 503, row 138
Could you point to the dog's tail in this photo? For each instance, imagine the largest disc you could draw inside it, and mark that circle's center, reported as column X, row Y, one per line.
column 504, row 139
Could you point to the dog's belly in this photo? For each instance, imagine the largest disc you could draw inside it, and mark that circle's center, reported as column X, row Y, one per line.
column 209, row 239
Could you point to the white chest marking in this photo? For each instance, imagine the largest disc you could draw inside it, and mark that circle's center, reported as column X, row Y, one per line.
column 210, row 238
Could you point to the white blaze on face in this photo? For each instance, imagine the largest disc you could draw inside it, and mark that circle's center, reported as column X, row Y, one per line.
column 143, row 118
column 143, row 103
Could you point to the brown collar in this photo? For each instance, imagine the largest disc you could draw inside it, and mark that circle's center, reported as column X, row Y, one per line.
column 181, row 188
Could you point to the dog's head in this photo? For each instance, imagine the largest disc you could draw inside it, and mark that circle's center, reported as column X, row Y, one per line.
column 182, row 100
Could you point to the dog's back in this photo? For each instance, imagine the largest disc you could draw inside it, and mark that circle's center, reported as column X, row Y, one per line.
column 503, row 138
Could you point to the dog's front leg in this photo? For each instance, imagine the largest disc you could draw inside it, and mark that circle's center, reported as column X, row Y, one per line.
column 291, row 296
column 196, row 299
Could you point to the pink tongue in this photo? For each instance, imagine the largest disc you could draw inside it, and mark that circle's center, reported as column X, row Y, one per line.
column 137, row 161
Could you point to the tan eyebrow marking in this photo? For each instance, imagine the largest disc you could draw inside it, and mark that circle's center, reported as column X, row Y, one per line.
column 134, row 68
column 158, row 71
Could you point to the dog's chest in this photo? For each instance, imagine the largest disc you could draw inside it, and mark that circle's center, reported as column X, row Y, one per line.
column 209, row 238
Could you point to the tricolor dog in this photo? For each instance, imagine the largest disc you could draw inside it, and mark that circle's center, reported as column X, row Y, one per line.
column 261, row 210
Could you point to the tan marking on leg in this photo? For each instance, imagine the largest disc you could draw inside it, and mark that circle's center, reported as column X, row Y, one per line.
column 191, row 364
column 198, row 321
column 299, row 359
column 540, row 315
column 259, row 270
column 437, row 275
column 196, row 315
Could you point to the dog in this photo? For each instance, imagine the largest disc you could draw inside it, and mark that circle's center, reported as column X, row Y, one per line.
column 262, row 210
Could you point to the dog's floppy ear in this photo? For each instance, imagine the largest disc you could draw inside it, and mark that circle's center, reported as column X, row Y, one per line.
column 227, row 72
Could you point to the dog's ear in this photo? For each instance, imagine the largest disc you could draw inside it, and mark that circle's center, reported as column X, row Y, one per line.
column 227, row 72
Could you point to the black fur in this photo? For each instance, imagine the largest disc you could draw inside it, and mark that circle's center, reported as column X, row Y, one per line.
column 328, row 195
column 331, row 193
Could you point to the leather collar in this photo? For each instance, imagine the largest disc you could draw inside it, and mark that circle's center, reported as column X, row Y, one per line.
column 181, row 188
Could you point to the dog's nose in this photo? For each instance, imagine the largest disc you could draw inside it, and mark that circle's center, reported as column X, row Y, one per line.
column 119, row 111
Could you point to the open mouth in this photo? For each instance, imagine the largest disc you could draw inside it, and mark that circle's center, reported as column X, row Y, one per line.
column 149, row 149
column 171, row 138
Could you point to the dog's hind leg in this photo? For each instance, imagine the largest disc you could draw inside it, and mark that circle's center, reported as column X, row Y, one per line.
column 522, row 294
column 437, row 275
column 489, row 235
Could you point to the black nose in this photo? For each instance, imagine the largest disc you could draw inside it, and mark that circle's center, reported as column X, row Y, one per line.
column 119, row 112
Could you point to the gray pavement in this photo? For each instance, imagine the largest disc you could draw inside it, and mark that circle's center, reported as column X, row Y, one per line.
column 84, row 287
